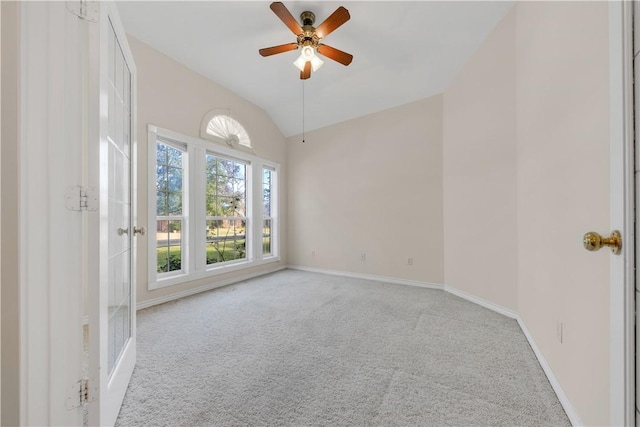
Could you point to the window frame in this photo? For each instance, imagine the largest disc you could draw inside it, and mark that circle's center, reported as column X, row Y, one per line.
column 184, row 218
column 273, row 195
column 248, row 223
column 194, row 235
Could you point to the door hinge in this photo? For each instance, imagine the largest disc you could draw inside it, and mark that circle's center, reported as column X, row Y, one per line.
column 80, row 394
column 81, row 199
column 84, row 391
column 84, row 9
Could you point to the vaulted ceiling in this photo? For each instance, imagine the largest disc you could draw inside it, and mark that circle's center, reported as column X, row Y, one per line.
column 403, row 51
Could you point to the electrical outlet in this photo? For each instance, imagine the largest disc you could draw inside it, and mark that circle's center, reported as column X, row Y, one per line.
column 410, row 261
column 363, row 257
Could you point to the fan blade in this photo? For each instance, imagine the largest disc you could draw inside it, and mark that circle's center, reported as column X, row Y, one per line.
column 337, row 55
column 268, row 51
column 285, row 16
column 337, row 18
column 306, row 73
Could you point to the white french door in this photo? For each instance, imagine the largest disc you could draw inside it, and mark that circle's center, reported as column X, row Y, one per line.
column 112, row 338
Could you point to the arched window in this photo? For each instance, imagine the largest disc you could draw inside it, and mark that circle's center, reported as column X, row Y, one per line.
column 219, row 126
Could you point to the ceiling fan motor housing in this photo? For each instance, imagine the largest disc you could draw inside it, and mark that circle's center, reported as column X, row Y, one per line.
column 307, row 18
column 308, row 36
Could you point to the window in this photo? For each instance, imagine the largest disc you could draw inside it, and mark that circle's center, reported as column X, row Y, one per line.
column 226, row 206
column 267, row 198
column 219, row 126
column 215, row 209
column 169, row 208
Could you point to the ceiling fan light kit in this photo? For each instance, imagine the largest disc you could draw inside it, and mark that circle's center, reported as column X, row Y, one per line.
column 308, row 39
column 308, row 54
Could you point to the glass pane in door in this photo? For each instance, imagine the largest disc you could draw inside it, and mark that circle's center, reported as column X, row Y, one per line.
column 120, row 230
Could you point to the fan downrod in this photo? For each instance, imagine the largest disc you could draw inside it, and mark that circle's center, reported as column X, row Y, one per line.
column 307, row 18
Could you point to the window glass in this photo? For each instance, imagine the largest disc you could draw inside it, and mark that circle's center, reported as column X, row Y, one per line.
column 267, row 178
column 226, row 210
column 169, row 211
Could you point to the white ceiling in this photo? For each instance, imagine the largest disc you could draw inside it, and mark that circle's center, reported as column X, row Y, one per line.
column 403, row 51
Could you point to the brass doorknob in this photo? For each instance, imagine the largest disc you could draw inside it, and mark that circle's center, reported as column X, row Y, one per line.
column 593, row 241
column 139, row 230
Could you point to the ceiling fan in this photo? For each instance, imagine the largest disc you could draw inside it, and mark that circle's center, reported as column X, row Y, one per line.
column 309, row 37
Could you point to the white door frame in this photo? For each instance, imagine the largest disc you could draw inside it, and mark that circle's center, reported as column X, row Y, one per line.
column 622, row 278
column 50, row 235
column 52, row 256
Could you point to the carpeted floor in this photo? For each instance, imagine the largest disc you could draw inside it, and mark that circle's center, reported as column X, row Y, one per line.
column 296, row 348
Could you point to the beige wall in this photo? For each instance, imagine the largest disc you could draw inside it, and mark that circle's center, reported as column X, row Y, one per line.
column 480, row 234
column 563, row 191
column 370, row 185
column 10, row 292
column 526, row 174
column 175, row 98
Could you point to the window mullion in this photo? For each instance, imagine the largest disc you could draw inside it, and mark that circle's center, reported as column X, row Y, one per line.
column 199, row 223
column 250, row 211
column 187, row 210
column 151, row 207
column 258, row 210
column 275, row 220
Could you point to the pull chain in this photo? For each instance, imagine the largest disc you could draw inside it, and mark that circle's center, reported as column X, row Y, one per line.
column 303, row 111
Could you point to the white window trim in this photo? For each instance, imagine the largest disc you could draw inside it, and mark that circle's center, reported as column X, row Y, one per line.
column 194, row 241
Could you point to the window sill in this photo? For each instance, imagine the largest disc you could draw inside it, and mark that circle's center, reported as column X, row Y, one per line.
column 210, row 272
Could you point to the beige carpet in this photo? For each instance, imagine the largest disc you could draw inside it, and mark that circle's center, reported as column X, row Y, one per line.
column 296, row 348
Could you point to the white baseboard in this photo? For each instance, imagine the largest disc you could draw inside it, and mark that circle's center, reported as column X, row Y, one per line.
column 562, row 396
column 481, row 302
column 484, row 303
column 375, row 278
column 555, row 384
column 214, row 285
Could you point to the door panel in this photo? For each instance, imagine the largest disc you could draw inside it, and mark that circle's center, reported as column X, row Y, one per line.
column 119, row 206
column 112, row 329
